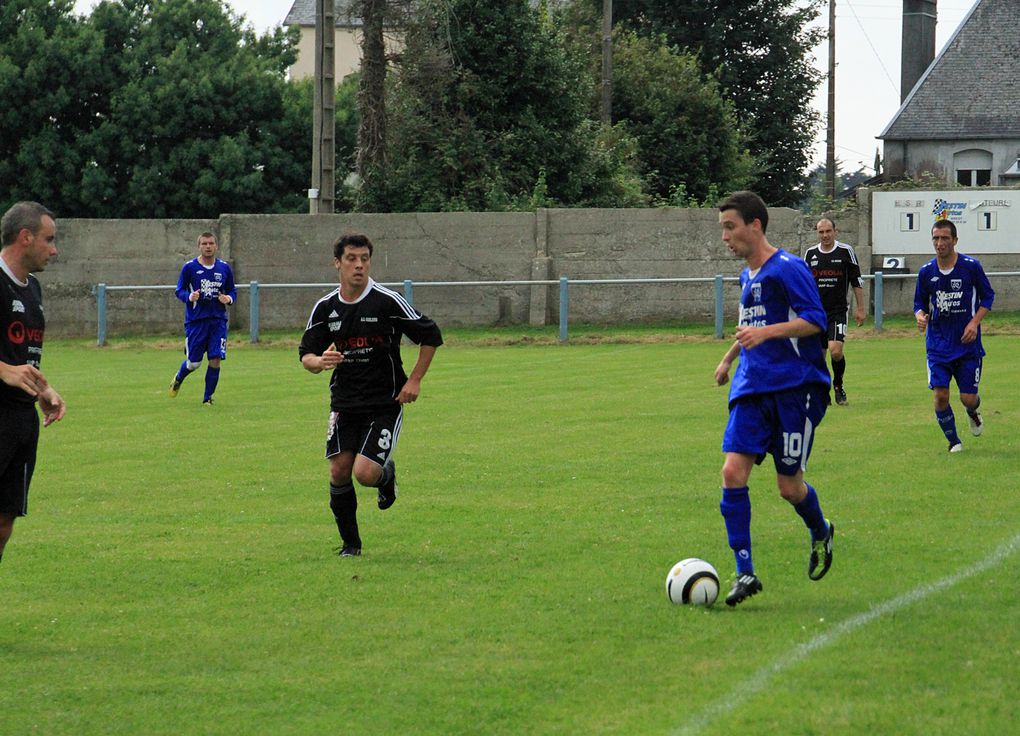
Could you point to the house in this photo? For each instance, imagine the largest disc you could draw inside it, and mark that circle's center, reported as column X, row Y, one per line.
column 347, row 42
column 961, row 120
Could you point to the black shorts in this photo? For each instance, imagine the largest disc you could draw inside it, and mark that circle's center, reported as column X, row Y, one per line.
column 837, row 327
column 373, row 434
column 19, row 438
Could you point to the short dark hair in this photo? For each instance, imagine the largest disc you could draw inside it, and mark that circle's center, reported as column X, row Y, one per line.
column 353, row 240
column 749, row 206
column 20, row 216
column 944, row 224
column 207, row 235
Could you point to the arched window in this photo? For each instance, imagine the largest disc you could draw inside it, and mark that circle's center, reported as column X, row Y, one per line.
column 973, row 167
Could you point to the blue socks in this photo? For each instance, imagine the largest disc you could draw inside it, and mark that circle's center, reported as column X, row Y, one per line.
column 948, row 424
column 811, row 513
column 736, row 511
column 182, row 372
column 212, row 377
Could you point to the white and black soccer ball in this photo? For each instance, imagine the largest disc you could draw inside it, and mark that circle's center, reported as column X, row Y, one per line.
column 693, row 582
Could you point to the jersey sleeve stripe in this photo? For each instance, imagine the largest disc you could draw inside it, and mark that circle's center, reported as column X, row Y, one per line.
column 409, row 311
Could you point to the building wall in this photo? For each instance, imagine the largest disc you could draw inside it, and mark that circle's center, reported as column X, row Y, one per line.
column 460, row 247
column 912, row 158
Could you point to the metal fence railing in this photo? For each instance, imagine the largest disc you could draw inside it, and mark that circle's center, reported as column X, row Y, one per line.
column 879, row 278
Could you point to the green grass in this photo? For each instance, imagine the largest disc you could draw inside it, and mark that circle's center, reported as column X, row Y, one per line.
column 176, row 573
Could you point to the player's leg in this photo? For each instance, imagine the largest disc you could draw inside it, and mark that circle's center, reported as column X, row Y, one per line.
column 374, row 466
column 939, row 375
column 837, row 334
column 968, row 376
column 216, row 347
column 194, row 350
column 743, row 442
column 6, row 529
column 342, row 434
column 799, row 413
column 19, row 437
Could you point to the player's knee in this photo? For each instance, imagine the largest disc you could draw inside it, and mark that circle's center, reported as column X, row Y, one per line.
column 6, row 528
column 192, row 366
column 792, row 488
column 367, row 475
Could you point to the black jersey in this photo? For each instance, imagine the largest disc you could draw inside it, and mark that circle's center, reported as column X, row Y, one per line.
column 834, row 272
column 367, row 332
column 21, row 328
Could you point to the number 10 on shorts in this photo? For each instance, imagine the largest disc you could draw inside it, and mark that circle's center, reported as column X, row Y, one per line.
column 793, row 443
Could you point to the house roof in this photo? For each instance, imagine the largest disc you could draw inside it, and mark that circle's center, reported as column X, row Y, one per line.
column 302, row 13
column 970, row 91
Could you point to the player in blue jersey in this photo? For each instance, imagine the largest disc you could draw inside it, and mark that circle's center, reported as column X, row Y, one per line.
column 355, row 332
column 27, row 243
column 206, row 286
column 951, row 298
column 780, row 388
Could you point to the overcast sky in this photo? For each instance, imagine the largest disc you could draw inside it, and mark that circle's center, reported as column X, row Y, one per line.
column 867, row 73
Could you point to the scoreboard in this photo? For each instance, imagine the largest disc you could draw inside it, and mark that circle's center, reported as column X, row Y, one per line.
column 987, row 221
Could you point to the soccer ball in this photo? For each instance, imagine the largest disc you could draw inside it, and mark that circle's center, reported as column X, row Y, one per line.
column 693, row 581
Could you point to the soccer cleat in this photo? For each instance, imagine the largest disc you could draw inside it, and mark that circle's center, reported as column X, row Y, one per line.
column 745, row 587
column 349, row 551
column 388, row 492
column 840, row 395
column 821, row 554
column 976, row 425
column 175, row 386
column 958, row 447
column 207, row 402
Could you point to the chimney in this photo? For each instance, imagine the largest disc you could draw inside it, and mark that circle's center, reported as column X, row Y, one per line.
column 918, row 49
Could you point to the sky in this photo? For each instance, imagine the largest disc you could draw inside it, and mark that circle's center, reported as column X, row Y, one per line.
column 867, row 66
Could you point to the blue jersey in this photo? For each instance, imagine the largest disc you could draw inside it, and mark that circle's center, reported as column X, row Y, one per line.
column 210, row 282
column 951, row 300
column 781, row 290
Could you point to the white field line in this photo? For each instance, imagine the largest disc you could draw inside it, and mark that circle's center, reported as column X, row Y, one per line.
column 760, row 679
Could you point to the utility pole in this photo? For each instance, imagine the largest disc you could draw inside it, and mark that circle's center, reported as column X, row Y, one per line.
column 323, row 191
column 830, row 131
column 607, row 62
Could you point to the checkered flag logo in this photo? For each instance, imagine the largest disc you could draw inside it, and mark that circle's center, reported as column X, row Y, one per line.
column 939, row 208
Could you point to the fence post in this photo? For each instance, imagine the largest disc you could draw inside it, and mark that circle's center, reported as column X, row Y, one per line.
column 563, row 308
column 253, row 311
column 879, row 299
column 101, row 314
column 409, row 291
column 718, row 306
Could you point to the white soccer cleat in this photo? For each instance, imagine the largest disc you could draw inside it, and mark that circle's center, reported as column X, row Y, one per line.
column 977, row 426
column 958, row 447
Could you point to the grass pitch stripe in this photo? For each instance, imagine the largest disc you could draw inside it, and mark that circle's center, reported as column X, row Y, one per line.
column 760, row 679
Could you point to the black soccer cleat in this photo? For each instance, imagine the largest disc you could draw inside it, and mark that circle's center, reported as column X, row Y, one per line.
column 840, row 395
column 349, row 551
column 388, row 492
column 821, row 554
column 745, row 587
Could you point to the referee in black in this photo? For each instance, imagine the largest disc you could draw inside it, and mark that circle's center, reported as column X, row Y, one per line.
column 835, row 268
column 28, row 237
column 355, row 331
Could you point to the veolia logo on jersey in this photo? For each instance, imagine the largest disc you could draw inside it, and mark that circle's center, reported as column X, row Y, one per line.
column 17, row 333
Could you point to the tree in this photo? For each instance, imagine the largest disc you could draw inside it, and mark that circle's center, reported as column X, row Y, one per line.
column 148, row 108
column 488, row 112
column 688, row 139
column 760, row 51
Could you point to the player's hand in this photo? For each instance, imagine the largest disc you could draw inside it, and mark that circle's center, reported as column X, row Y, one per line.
column 410, row 392
column 194, row 296
column 331, row 357
column 860, row 317
column 750, row 337
column 52, row 406
column 722, row 374
column 922, row 320
column 224, row 299
column 26, row 377
column 970, row 333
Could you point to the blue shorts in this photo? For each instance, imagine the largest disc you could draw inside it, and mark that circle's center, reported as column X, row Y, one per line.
column 965, row 371
column 205, row 337
column 781, row 424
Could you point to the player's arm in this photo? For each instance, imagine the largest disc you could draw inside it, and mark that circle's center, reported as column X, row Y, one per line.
column 228, row 295
column 412, row 389
column 970, row 332
column 184, row 291
column 750, row 337
column 52, row 405
column 329, row 359
column 920, row 303
column 722, row 371
column 861, row 311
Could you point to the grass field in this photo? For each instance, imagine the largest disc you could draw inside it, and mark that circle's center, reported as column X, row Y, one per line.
column 176, row 573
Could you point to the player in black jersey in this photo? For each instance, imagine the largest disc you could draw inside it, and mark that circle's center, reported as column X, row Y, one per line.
column 355, row 331
column 835, row 269
column 27, row 243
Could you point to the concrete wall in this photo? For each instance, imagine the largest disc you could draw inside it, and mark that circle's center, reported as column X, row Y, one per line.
column 545, row 245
